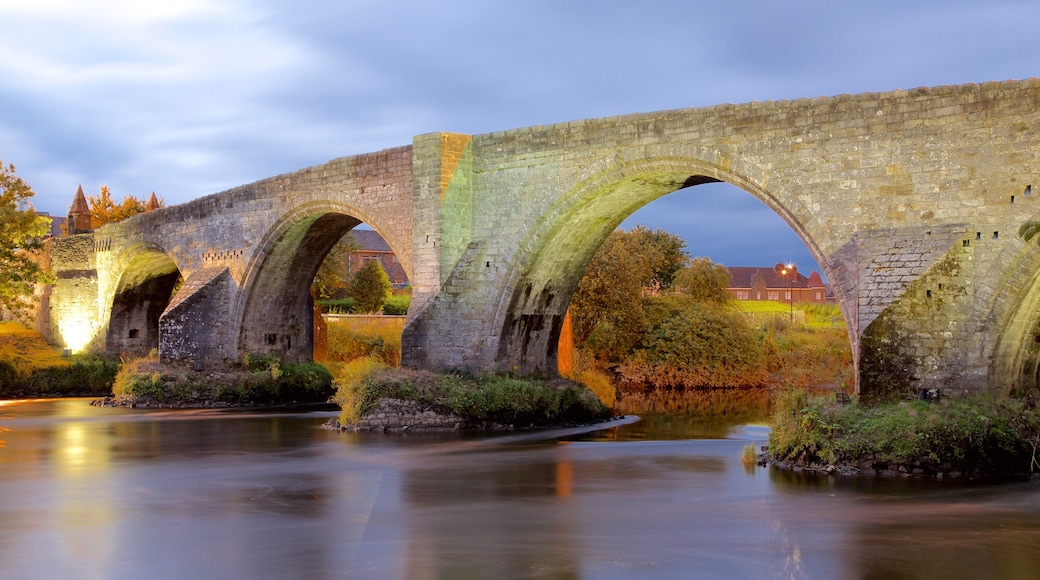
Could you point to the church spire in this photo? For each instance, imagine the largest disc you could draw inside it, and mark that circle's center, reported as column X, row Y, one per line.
column 79, row 214
column 153, row 203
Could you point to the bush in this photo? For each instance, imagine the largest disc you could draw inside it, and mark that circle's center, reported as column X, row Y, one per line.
column 338, row 306
column 977, row 435
column 696, row 346
column 397, row 305
column 365, row 337
column 479, row 400
column 264, row 381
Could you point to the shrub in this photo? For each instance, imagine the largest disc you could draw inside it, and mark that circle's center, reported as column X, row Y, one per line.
column 697, row 346
column 397, row 305
column 971, row 435
column 492, row 399
column 337, row 306
column 264, row 381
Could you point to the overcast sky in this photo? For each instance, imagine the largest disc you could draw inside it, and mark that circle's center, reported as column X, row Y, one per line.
column 188, row 98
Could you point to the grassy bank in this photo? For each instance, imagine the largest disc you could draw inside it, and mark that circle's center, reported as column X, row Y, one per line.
column 263, row 381
column 29, row 367
column 966, row 436
column 480, row 402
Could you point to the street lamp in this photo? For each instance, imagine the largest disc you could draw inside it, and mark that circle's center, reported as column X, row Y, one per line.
column 789, row 271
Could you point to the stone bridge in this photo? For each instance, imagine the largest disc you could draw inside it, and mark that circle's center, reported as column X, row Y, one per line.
column 909, row 200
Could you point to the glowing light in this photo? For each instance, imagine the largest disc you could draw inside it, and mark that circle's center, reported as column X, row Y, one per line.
column 76, row 334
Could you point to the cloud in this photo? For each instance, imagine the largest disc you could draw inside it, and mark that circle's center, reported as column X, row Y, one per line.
column 192, row 97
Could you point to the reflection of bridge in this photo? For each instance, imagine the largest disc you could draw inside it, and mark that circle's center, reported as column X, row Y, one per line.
column 910, row 201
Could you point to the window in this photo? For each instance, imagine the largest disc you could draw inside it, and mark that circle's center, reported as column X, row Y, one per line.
column 742, row 294
column 818, row 296
column 787, row 295
column 773, row 295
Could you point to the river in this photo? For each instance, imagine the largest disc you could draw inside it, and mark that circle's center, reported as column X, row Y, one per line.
column 89, row 492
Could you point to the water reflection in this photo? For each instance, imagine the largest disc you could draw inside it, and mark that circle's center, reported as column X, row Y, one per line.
column 89, row 492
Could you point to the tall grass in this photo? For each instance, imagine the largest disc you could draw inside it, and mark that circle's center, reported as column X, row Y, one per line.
column 25, row 350
column 29, row 367
column 358, row 337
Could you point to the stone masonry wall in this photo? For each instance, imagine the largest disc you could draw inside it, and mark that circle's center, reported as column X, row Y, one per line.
column 495, row 230
column 835, row 168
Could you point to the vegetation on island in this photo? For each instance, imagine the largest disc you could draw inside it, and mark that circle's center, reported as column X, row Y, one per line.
column 146, row 382
column 493, row 401
column 969, row 436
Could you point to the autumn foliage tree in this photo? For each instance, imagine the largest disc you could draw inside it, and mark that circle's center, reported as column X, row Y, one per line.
column 660, row 320
column 21, row 234
column 104, row 209
column 704, row 281
column 607, row 308
column 334, row 271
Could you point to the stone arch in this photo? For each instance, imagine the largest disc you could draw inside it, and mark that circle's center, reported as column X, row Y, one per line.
column 146, row 281
column 274, row 310
column 552, row 259
column 1016, row 312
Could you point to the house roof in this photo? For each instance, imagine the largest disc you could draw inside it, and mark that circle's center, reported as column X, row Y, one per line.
column 370, row 240
column 743, row 277
column 56, row 223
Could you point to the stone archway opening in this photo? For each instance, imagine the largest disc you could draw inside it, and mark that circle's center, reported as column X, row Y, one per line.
column 144, row 290
column 1016, row 362
column 281, row 317
column 534, row 321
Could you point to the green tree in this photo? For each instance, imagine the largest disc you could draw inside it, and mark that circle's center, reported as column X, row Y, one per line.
column 703, row 280
column 370, row 287
column 334, row 271
column 21, row 235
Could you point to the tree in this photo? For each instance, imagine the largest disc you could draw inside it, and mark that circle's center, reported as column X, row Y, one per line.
column 335, row 268
column 370, row 287
column 21, row 234
column 703, row 280
column 103, row 210
column 666, row 253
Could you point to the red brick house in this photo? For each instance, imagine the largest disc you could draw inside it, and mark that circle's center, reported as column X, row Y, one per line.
column 374, row 247
column 778, row 283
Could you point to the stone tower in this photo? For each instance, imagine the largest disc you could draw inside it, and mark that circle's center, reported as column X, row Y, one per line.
column 79, row 215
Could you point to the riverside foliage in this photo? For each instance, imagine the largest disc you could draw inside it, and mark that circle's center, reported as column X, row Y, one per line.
column 973, row 435
column 655, row 327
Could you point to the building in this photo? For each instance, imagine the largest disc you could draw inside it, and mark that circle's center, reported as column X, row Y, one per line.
column 779, row 283
column 372, row 246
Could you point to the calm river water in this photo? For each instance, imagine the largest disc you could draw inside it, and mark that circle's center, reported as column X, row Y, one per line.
column 89, row 492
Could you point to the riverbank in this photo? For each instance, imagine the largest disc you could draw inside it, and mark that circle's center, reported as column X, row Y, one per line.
column 960, row 437
column 31, row 368
column 149, row 383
